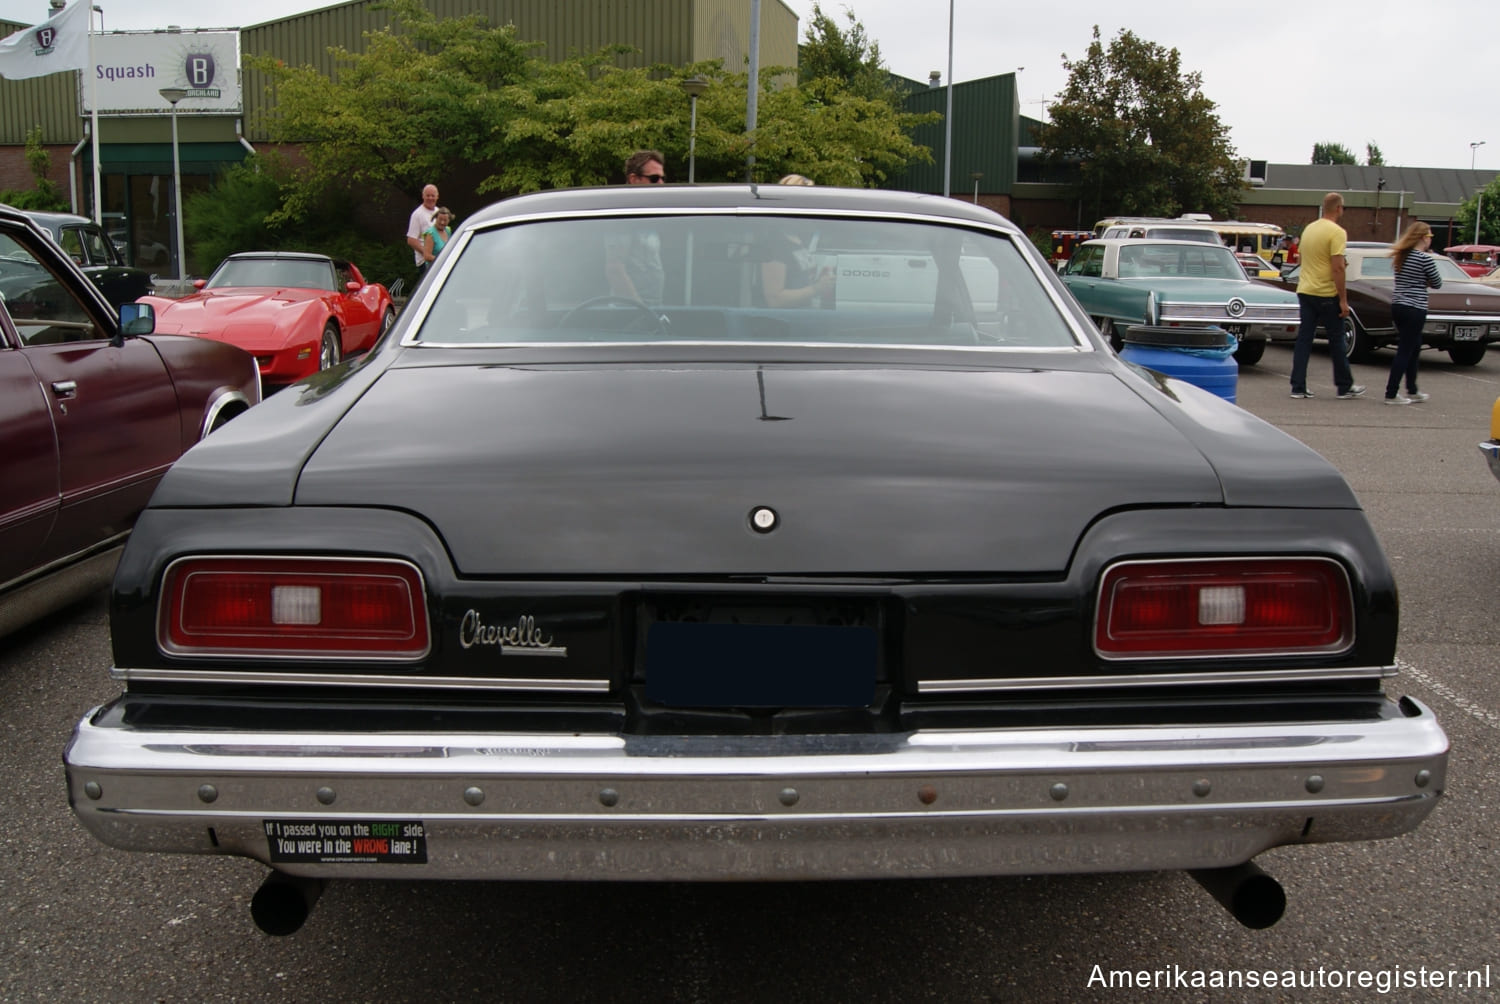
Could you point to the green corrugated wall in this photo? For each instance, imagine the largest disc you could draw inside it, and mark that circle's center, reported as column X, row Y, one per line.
column 986, row 124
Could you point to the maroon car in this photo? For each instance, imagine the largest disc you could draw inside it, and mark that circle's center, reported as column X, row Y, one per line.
column 93, row 410
column 1463, row 316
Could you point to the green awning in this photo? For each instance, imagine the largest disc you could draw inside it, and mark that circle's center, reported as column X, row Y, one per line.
column 156, row 158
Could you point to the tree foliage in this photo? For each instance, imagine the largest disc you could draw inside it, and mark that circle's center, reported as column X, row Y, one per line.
column 846, row 55
column 241, row 211
column 1373, row 156
column 1332, row 153
column 45, row 196
column 432, row 99
column 1489, row 216
column 1145, row 138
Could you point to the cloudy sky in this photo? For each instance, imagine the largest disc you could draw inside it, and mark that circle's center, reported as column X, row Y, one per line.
column 1411, row 77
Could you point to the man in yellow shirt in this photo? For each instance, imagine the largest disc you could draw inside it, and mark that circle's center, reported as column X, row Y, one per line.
column 1324, row 300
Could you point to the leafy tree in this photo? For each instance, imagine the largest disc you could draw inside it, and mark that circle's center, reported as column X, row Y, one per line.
column 846, row 55
column 443, row 99
column 1373, row 156
column 1332, row 153
column 241, row 212
column 1489, row 216
column 1146, row 140
column 233, row 214
column 45, row 196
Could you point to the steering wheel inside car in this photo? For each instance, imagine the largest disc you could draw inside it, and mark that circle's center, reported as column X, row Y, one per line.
column 658, row 322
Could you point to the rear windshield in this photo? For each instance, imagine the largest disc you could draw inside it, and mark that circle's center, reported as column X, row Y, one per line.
column 803, row 280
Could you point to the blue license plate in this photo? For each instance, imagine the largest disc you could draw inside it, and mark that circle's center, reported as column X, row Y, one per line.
column 761, row 665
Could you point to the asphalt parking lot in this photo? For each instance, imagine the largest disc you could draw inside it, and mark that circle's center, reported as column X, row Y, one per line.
column 85, row 922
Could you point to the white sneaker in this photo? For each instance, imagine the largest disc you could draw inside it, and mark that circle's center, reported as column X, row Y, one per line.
column 1354, row 391
column 1398, row 399
column 1418, row 396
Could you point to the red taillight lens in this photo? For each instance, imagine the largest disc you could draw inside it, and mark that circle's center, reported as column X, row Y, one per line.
column 294, row 607
column 1176, row 609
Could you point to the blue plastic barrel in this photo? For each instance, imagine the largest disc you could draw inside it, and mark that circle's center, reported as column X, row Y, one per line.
column 1203, row 357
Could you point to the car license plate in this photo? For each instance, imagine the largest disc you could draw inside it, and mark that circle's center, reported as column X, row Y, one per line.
column 1237, row 330
column 690, row 664
column 1467, row 332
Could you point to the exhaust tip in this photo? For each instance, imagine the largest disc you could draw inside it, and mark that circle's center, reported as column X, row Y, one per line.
column 1254, row 898
column 283, row 902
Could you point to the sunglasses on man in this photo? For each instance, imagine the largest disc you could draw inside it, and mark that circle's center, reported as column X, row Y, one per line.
column 653, row 179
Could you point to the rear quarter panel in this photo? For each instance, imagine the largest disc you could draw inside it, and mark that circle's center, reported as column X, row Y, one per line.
column 213, row 381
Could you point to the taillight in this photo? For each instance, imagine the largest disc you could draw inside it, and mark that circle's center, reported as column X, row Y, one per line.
column 1218, row 607
column 318, row 608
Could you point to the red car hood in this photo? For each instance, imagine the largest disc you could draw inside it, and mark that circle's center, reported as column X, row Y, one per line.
column 248, row 317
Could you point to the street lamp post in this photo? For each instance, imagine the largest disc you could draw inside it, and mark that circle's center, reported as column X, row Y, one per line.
column 693, row 87
column 1479, row 208
column 1474, row 149
column 976, row 175
column 173, row 95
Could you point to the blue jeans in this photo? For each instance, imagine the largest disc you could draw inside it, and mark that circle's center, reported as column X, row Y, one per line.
column 1320, row 311
column 1409, row 321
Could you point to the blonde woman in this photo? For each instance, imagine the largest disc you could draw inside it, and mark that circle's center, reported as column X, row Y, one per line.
column 1415, row 274
column 788, row 277
column 435, row 236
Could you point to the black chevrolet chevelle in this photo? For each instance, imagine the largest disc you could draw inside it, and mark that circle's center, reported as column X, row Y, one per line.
column 607, row 564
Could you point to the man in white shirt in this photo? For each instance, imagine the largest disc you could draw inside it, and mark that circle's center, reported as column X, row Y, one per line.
column 421, row 219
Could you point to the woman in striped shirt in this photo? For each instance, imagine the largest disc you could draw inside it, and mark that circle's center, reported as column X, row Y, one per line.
column 1415, row 273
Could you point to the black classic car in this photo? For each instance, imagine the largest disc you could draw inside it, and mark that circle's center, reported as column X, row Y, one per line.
column 93, row 410
column 1463, row 316
column 85, row 242
column 923, row 580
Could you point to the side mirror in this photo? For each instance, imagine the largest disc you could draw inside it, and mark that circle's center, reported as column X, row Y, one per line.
column 137, row 319
column 353, row 286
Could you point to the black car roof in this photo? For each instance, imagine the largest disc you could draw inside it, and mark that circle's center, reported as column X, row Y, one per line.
column 655, row 198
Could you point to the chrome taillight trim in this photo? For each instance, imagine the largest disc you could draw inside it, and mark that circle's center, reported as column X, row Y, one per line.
column 282, row 679
column 1289, row 653
column 1155, row 680
column 164, row 602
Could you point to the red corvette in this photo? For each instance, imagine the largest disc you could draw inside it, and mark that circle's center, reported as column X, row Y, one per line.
column 296, row 313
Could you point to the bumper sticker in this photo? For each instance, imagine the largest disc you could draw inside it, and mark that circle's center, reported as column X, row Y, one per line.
column 346, row 841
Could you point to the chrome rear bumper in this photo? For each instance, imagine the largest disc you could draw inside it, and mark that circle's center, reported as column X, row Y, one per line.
column 509, row 806
column 1491, row 451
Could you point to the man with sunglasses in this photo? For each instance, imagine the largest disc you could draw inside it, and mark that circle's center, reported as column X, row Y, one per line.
column 645, row 167
column 632, row 262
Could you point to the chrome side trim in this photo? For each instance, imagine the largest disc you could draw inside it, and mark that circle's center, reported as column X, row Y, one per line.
column 571, row 686
column 115, row 544
column 1154, row 680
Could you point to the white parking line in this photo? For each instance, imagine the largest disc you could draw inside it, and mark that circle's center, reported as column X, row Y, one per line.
column 1476, row 711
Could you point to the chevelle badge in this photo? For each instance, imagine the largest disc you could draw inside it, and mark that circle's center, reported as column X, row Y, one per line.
column 346, row 841
column 520, row 638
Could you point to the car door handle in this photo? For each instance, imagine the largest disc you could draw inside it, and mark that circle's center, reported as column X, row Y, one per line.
column 65, row 388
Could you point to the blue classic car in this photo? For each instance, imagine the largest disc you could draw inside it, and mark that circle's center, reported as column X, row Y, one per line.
column 1120, row 282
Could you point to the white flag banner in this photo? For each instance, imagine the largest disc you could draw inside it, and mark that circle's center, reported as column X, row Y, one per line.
column 59, row 43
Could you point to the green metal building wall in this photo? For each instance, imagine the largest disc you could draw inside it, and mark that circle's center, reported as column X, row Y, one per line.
column 50, row 102
column 986, row 128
